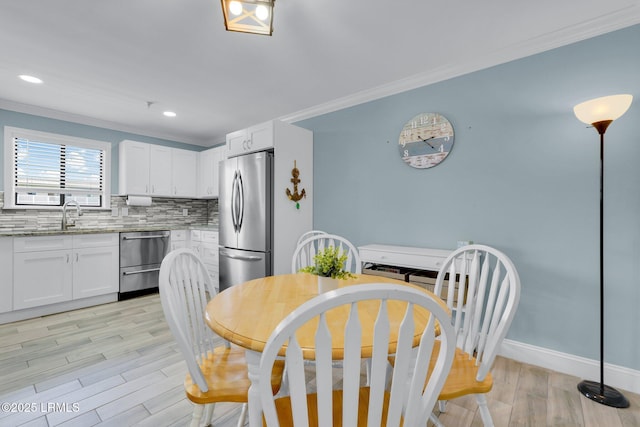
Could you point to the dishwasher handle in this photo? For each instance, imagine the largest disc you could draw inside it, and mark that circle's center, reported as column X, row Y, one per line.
column 155, row 236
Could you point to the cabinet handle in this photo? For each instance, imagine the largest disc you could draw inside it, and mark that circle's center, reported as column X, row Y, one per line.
column 76, row 256
column 67, row 258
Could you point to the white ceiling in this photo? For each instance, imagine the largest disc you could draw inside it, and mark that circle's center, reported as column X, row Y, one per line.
column 101, row 61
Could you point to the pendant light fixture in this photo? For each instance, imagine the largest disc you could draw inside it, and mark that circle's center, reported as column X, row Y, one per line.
column 248, row 16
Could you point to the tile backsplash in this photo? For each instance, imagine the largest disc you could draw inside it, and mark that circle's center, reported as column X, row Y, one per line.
column 162, row 212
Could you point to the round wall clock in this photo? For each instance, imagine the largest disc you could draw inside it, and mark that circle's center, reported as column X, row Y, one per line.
column 425, row 140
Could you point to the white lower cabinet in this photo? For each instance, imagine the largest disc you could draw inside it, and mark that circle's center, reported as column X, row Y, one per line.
column 95, row 271
column 205, row 244
column 179, row 239
column 54, row 269
column 41, row 278
column 6, row 274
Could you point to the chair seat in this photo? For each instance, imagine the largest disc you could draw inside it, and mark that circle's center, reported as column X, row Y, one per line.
column 462, row 376
column 461, row 379
column 283, row 408
column 226, row 373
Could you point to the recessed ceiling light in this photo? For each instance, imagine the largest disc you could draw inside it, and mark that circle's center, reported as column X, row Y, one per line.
column 169, row 114
column 30, row 79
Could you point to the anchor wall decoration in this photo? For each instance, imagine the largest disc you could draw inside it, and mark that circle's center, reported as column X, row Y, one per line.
column 295, row 196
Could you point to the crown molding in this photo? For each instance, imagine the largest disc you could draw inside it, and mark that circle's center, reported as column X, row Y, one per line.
column 90, row 121
column 617, row 20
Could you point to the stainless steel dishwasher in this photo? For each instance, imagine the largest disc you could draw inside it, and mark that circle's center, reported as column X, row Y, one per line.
column 141, row 254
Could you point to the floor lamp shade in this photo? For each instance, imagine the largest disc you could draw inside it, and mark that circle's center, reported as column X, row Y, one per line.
column 602, row 109
column 600, row 113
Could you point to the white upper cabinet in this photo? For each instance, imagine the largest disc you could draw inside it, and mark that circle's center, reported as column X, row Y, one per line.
column 183, row 173
column 160, row 159
column 156, row 170
column 256, row 138
column 208, row 171
column 134, row 168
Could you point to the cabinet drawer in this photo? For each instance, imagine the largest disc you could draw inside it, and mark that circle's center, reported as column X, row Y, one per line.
column 96, row 240
column 42, row 243
column 196, row 235
column 210, row 237
column 209, row 253
column 178, row 235
column 422, row 258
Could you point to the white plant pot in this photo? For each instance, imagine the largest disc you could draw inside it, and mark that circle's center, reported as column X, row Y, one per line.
column 326, row 284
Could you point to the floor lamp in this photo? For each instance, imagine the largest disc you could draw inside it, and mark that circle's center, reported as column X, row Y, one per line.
column 600, row 112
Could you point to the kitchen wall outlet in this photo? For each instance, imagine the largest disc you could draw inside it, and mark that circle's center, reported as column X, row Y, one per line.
column 185, row 212
column 114, row 211
column 124, row 211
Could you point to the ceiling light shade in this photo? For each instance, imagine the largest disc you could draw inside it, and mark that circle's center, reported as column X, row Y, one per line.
column 30, row 79
column 607, row 108
column 248, row 16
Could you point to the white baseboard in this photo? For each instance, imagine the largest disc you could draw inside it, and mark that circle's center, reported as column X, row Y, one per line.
column 45, row 310
column 586, row 369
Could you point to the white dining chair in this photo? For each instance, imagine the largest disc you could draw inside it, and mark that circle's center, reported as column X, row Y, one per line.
column 304, row 236
column 217, row 371
column 309, row 247
column 483, row 304
column 413, row 388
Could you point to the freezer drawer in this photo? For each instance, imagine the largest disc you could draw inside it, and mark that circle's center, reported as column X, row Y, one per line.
column 238, row 266
column 139, row 277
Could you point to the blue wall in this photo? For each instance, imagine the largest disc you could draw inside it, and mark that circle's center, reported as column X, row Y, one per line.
column 42, row 124
column 522, row 176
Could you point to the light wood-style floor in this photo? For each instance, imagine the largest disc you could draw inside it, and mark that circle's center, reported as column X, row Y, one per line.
column 117, row 365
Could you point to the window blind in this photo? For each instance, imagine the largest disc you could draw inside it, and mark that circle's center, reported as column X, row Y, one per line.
column 44, row 167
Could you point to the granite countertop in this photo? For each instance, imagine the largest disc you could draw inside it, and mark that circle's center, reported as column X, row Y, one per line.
column 53, row 232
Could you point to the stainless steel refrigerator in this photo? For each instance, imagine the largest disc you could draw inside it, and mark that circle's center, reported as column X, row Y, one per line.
column 245, row 206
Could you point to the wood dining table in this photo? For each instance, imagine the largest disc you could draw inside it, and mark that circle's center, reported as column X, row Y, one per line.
column 247, row 314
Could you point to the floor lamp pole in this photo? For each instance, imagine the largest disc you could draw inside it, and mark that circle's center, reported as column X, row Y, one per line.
column 600, row 392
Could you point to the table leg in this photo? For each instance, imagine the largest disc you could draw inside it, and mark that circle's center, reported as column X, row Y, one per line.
column 255, row 405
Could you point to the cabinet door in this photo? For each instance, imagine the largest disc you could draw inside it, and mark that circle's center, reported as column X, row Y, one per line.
column 179, row 239
column 206, row 160
column 134, row 168
column 184, row 173
column 160, row 170
column 208, row 172
column 6, row 270
column 41, row 278
column 237, row 142
column 95, row 271
column 219, row 155
column 260, row 137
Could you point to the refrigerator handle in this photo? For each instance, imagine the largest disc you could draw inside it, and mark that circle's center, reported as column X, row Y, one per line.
column 233, row 201
column 241, row 198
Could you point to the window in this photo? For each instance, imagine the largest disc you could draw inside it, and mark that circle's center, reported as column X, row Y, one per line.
column 46, row 170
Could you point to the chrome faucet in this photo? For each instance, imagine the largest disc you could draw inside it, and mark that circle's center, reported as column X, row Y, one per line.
column 66, row 224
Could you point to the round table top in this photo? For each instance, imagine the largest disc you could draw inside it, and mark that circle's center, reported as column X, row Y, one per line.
column 247, row 314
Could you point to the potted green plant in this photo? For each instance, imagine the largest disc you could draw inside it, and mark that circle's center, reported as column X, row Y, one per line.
column 329, row 267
